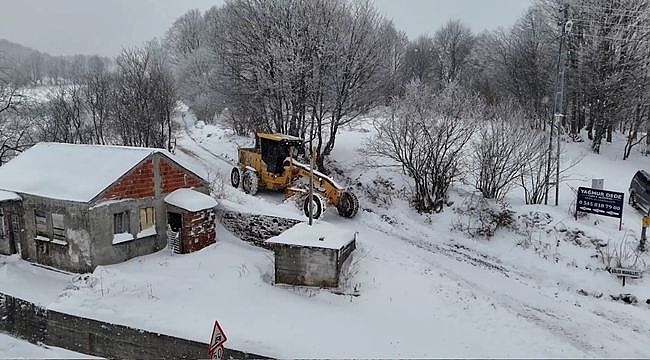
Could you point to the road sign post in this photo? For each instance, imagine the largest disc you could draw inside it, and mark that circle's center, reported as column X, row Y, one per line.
column 645, row 224
column 625, row 273
column 600, row 202
column 218, row 337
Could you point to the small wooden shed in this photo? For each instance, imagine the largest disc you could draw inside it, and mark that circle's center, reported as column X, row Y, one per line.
column 192, row 220
column 311, row 255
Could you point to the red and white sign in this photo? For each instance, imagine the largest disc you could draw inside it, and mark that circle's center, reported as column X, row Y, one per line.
column 217, row 354
column 217, row 339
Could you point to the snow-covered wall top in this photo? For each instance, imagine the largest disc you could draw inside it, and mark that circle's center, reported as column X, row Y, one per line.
column 190, row 200
column 71, row 172
column 8, row 195
column 322, row 235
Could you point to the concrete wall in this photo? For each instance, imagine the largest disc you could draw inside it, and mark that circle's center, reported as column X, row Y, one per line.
column 36, row 324
column 345, row 253
column 100, row 217
column 254, row 228
column 75, row 254
column 309, row 266
column 10, row 241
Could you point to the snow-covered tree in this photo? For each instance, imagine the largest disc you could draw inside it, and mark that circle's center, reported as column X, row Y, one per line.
column 427, row 134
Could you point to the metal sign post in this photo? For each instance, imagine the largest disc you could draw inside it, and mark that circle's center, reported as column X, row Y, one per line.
column 600, row 202
column 645, row 224
column 218, row 337
column 625, row 273
column 311, row 187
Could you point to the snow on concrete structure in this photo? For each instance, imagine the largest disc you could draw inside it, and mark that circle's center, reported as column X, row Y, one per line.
column 192, row 220
column 75, row 207
column 311, row 255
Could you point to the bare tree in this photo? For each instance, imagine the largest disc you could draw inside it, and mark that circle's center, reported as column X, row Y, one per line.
column 186, row 34
column 62, row 118
column 144, row 97
column 502, row 150
column 98, row 97
column 453, row 45
column 421, row 62
column 427, row 134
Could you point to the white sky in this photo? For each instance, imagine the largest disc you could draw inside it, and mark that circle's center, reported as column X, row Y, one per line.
column 65, row 27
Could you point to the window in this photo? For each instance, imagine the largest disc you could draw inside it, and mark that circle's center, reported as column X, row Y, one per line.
column 40, row 218
column 2, row 224
column 121, row 223
column 146, row 218
column 58, row 228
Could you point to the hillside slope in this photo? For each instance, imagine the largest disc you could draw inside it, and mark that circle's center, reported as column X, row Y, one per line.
column 423, row 289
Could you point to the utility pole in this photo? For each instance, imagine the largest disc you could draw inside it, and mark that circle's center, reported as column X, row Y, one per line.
column 558, row 104
column 311, row 187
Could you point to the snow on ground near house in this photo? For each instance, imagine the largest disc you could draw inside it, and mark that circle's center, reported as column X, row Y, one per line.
column 12, row 348
column 424, row 291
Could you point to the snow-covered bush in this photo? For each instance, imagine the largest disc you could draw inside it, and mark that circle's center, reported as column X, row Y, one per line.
column 479, row 217
column 427, row 133
column 504, row 145
column 625, row 254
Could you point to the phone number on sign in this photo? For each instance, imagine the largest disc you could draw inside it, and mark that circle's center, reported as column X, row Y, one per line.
column 599, row 205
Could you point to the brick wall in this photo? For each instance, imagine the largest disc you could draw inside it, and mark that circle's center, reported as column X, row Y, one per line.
column 199, row 230
column 174, row 177
column 137, row 184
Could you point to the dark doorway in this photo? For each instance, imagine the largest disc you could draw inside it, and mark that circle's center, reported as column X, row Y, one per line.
column 14, row 233
column 175, row 224
column 175, row 221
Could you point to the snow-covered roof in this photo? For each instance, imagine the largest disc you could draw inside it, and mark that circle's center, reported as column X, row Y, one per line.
column 190, row 200
column 8, row 196
column 71, row 172
column 304, row 235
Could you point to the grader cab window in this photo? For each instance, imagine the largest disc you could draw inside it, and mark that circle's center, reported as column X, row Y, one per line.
column 273, row 155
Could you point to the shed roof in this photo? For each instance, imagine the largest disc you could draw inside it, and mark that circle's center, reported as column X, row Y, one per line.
column 304, row 235
column 8, row 196
column 190, row 200
column 71, row 172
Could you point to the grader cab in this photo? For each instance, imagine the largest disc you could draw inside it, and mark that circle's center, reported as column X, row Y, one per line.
column 272, row 165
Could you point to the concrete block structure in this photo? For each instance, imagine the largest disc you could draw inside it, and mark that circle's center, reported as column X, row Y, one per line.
column 311, row 255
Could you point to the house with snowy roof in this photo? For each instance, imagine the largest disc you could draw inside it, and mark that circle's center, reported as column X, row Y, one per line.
column 75, row 207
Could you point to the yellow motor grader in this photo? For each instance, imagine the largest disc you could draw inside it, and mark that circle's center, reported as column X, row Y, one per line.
column 271, row 165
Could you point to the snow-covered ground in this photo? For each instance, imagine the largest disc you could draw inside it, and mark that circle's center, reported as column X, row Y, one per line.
column 424, row 290
column 12, row 348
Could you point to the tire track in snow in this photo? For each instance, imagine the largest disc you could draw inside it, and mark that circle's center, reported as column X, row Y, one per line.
column 556, row 321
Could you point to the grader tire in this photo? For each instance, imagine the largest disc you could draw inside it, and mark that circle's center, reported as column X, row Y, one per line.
column 235, row 177
column 318, row 206
column 348, row 205
column 250, row 182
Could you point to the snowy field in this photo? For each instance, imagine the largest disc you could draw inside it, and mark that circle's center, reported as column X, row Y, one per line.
column 423, row 290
